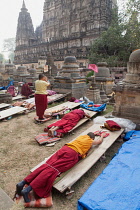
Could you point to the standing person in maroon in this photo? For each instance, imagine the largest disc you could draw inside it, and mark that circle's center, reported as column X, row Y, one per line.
column 41, row 101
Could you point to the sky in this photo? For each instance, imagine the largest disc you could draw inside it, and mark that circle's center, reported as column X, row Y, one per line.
column 9, row 12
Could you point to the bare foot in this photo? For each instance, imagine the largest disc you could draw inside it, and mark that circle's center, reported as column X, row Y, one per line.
column 50, row 133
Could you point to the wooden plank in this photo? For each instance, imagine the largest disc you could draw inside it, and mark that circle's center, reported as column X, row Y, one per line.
column 11, row 111
column 67, row 104
column 4, row 105
column 55, row 97
column 18, row 97
column 84, row 165
column 30, row 100
column 51, row 98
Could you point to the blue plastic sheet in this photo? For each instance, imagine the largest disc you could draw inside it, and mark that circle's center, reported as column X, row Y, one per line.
column 118, row 187
column 9, row 84
column 95, row 109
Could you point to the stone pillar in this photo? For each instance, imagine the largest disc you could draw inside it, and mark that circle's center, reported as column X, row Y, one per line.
column 22, row 73
column 32, row 77
column 2, row 68
column 93, row 93
column 127, row 98
column 70, row 80
column 104, row 76
column 10, row 69
column 103, row 96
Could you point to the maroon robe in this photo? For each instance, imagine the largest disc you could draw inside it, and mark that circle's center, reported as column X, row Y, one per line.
column 68, row 121
column 41, row 103
column 26, row 90
column 41, row 180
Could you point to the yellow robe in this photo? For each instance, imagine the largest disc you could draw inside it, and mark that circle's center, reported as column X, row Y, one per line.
column 81, row 145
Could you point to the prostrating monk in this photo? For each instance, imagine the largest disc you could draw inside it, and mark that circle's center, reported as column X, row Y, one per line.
column 41, row 101
column 41, row 180
column 67, row 122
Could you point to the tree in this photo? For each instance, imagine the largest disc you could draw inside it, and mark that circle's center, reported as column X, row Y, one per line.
column 133, row 5
column 1, row 57
column 11, row 56
column 122, row 37
column 9, row 45
column 133, row 31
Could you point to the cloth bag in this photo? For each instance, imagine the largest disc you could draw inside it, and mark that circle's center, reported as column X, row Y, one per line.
column 111, row 125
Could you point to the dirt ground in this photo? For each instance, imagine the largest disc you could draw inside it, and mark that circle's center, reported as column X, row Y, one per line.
column 19, row 152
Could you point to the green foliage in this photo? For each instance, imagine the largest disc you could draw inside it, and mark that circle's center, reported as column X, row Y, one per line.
column 109, row 108
column 91, row 73
column 133, row 5
column 122, row 37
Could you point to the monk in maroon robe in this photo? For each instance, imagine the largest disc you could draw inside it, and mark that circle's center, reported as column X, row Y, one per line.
column 67, row 122
column 41, row 180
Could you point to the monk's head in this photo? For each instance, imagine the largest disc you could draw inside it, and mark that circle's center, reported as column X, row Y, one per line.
column 91, row 135
column 42, row 77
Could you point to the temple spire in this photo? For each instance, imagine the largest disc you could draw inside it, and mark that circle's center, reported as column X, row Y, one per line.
column 23, row 6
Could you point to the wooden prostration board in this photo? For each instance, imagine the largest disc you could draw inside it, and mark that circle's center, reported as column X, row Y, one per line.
column 11, row 111
column 4, row 105
column 18, row 97
column 55, row 97
column 68, row 104
column 68, row 178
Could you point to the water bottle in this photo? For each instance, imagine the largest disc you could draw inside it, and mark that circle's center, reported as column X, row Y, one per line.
column 57, row 117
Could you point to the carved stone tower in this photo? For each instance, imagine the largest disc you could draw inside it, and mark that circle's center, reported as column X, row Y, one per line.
column 68, row 28
column 25, row 31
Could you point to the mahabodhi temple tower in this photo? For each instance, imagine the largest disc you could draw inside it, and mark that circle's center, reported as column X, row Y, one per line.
column 68, row 28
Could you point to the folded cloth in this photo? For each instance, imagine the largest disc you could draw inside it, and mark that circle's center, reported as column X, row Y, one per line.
column 43, row 138
column 97, row 105
column 98, row 133
column 35, row 202
column 90, row 106
column 111, row 125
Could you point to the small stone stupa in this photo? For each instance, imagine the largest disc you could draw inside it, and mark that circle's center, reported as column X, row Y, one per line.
column 10, row 68
column 2, row 68
column 93, row 93
column 70, row 80
column 33, row 76
column 103, row 76
column 22, row 73
column 127, row 98
column 103, row 96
